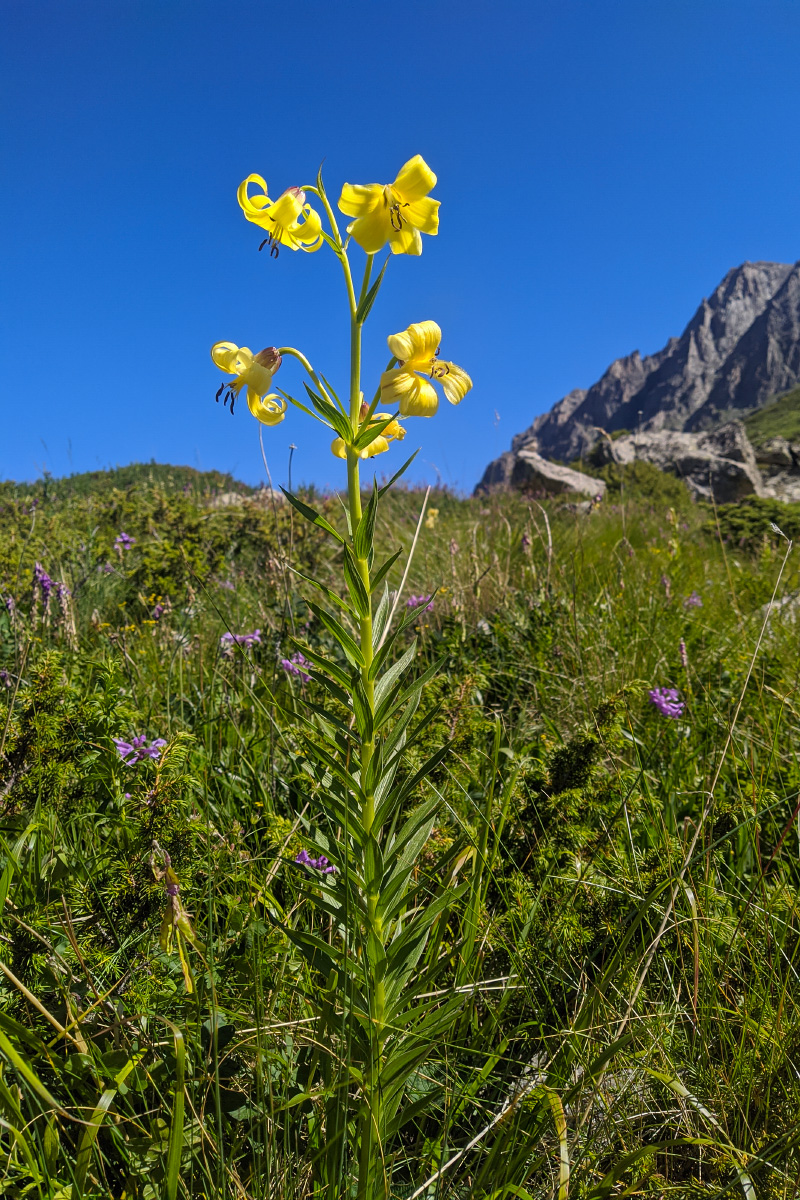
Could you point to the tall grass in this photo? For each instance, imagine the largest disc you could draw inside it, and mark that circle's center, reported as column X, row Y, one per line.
column 621, row 944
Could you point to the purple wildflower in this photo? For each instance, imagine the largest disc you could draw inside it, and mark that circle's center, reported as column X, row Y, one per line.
column 318, row 864
column 227, row 584
column 693, row 601
column 10, row 605
column 43, row 581
column 424, row 602
column 135, row 751
column 667, row 701
column 158, row 611
column 5, row 679
column 123, row 540
column 247, row 640
column 294, row 665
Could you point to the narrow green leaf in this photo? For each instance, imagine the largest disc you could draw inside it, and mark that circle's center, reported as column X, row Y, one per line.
column 397, row 474
column 370, row 432
column 377, row 578
column 364, row 308
column 331, row 414
column 348, row 644
column 331, row 668
column 355, row 584
column 22, row 1068
column 329, row 594
column 312, row 515
column 362, row 542
column 387, row 681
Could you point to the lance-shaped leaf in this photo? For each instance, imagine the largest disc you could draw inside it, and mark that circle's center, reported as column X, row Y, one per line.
column 405, row 951
column 390, row 677
column 370, row 432
column 349, row 645
column 399, row 795
column 311, row 514
column 329, row 594
column 395, row 700
column 398, row 474
column 331, row 414
column 355, row 584
column 377, row 580
column 364, row 534
column 401, row 859
column 363, row 310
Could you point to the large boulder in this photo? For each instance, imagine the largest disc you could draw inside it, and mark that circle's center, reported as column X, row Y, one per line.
column 719, row 465
column 528, row 471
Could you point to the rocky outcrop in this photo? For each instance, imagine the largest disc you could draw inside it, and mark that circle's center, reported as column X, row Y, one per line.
column 740, row 347
column 720, row 465
column 530, row 472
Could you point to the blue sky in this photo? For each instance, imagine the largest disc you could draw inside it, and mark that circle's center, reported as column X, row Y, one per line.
column 601, row 165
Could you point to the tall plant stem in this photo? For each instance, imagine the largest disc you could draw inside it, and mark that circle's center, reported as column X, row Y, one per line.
column 369, row 1165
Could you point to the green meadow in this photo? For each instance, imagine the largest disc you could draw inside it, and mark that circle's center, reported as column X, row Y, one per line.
column 615, row 881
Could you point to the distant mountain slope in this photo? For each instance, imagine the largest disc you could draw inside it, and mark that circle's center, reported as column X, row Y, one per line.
column 740, row 348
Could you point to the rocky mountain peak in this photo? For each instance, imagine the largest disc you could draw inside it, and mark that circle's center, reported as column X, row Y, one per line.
column 741, row 346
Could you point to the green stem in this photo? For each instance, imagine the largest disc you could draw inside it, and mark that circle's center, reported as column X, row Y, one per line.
column 369, row 1123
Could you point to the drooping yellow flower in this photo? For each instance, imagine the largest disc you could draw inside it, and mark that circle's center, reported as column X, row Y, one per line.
column 416, row 351
column 379, row 445
column 253, row 371
column 397, row 213
column 281, row 218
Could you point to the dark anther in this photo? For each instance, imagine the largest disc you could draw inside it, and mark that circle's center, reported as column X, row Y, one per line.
column 232, row 400
column 263, row 244
column 275, row 250
column 396, row 215
column 221, row 390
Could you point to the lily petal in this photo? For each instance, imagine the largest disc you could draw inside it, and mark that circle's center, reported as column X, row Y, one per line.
column 269, row 410
column 372, row 231
column 232, row 359
column 455, row 382
column 405, row 240
column 414, row 179
column 415, row 395
column 419, row 342
column 360, row 199
column 424, row 215
column 251, row 206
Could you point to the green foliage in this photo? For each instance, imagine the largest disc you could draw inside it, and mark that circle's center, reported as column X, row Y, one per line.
column 781, row 418
column 529, row 846
column 749, row 524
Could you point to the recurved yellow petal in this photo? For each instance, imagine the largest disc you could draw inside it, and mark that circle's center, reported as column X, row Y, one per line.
column 424, row 215
column 419, row 342
column 252, row 206
column 338, row 448
column 415, row 179
column 455, row 382
column 269, row 410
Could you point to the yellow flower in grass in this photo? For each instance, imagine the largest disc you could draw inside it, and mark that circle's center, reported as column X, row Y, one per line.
column 397, row 213
column 253, row 371
column 416, row 351
column 379, row 445
column 288, row 221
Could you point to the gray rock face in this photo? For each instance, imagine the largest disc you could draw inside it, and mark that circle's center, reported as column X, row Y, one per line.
column 720, row 465
column 526, row 470
column 740, row 347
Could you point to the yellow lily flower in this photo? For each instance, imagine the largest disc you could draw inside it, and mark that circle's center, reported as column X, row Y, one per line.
column 397, row 213
column 416, row 351
column 379, row 445
column 254, row 371
column 281, row 217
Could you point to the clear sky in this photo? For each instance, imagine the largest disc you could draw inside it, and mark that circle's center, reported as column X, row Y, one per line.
column 601, row 164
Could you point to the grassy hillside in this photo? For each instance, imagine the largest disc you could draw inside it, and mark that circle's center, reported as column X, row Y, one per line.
column 627, row 971
column 781, row 418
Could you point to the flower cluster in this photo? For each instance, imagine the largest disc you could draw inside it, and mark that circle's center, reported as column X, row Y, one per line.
column 43, row 581
column 137, row 750
column 424, row 602
column 248, row 640
column 294, row 665
column 667, row 701
column 693, row 601
column 123, row 541
column 319, row 864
